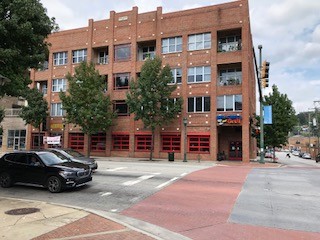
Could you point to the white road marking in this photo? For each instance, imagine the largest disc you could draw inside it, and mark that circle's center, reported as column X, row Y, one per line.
column 106, row 194
column 114, row 210
column 140, row 179
column 115, row 169
column 166, row 183
column 183, row 174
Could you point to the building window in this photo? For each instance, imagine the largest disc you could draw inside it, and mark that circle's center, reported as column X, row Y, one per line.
column 228, row 44
column 79, row 56
column 60, row 58
column 98, row 142
column 121, row 108
column 143, row 143
column 199, row 74
column 16, row 139
column 199, row 41
column 122, row 52
column 56, row 110
column 229, row 103
column 76, row 141
column 103, row 57
column 148, row 52
column 177, row 75
column 199, row 144
column 121, row 81
column 198, row 104
column 171, row 143
column 59, row 84
column 42, row 86
column 230, row 77
column 120, row 142
column 171, row 45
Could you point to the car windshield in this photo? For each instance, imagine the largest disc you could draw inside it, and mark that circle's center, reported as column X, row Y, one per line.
column 73, row 153
column 50, row 158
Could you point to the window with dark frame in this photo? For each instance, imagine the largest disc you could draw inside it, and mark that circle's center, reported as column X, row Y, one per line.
column 98, row 142
column 121, row 81
column 122, row 52
column 121, row 108
column 177, row 75
column 143, row 142
column 171, row 143
column 199, row 104
column 120, row 142
column 76, row 141
column 199, row 144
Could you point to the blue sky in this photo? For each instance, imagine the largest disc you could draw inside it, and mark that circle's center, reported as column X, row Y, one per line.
column 288, row 30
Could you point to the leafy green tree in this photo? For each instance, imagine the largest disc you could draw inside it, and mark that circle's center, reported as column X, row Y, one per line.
column 283, row 119
column 149, row 97
column 24, row 26
column 1, row 119
column 86, row 105
column 36, row 111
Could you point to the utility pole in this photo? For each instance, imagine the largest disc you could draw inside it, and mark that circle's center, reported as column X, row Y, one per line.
column 261, row 110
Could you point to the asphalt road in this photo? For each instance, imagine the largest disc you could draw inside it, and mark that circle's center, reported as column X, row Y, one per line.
column 115, row 186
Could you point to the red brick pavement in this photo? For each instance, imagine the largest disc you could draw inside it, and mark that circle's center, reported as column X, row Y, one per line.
column 198, row 206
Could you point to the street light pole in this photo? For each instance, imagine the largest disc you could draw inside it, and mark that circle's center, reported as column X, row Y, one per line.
column 185, row 121
column 261, row 111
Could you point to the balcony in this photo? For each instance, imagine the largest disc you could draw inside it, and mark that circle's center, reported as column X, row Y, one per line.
column 229, row 47
column 230, row 80
column 12, row 112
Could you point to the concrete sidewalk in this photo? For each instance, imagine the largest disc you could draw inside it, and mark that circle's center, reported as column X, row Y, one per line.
column 25, row 220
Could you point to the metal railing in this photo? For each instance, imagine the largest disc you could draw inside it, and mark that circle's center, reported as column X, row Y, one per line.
column 230, row 80
column 12, row 112
column 229, row 47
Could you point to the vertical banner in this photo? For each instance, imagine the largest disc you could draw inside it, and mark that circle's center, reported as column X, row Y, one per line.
column 267, row 114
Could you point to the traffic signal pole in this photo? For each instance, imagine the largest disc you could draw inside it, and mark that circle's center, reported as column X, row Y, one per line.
column 261, row 109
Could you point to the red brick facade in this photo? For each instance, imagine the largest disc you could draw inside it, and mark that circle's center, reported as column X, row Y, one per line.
column 228, row 50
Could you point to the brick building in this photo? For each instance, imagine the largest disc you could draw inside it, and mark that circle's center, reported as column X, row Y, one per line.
column 209, row 50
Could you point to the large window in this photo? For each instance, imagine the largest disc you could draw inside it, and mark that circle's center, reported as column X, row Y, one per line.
column 120, row 142
column 199, row 74
column 148, row 52
column 79, row 56
column 59, row 84
column 177, row 75
column 199, row 104
column 56, row 110
column 231, row 43
column 122, row 52
column 121, row 108
column 199, row 41
column 98, row 142
column 16, row 139
column 103, row 57
column 171, row 45
column 76, row 141
column 199, row 144
column 60, row 58
column 143, row 142
column 170, row 143
column 230, row 76
column 229, row 103
column 121, row 81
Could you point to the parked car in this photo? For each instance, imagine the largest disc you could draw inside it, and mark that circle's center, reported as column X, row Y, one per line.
column 75, row 156
column 295, row 153
column 318, row 157
column 42, row 168
column 268, row 154
column 301, row 154
column 306, row 156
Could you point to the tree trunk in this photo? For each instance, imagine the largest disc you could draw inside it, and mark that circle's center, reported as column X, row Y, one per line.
column 39, row 137
column 89, row 146
column 152, row 144
column 274, row 155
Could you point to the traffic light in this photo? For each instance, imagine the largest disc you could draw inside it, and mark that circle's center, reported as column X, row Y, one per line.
column 265, row 74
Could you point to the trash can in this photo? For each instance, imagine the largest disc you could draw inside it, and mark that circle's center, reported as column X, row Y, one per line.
column 171, row 156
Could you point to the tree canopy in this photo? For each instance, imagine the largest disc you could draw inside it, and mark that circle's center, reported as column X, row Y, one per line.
column 150, row 97
column 24, row 26
column 85, row 104
column 283, row 118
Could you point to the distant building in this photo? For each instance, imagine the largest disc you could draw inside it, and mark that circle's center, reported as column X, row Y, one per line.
column 304, row 144
column 209, row 50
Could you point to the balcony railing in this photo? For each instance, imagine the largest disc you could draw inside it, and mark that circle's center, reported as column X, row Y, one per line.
column 229, row 47
column 103, row 60
column 230, row 80
column 12, row 112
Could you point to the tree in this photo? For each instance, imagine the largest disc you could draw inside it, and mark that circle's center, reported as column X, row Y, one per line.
column 149, row 97
column 36, row 112
column 283, row 119
column 86, row 105
column 24, row 27
column 1, row 119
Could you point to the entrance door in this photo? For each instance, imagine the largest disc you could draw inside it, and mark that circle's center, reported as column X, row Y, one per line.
column 16, row 143
column 235, row 150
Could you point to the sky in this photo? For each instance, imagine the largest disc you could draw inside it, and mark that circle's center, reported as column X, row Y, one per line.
column 288, row 30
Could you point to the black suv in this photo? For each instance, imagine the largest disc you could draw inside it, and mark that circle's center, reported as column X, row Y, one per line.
column 42, row 168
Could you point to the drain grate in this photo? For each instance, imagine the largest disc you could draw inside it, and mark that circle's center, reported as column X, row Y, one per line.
column 22, row 211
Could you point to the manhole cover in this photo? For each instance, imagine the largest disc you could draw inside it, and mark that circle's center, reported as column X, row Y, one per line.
column 22, row 211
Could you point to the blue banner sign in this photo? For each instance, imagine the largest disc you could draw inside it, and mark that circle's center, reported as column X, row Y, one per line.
column 267, row 114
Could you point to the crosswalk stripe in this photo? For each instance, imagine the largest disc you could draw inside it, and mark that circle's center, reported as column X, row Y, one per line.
column 115, row 169
column 166, row 183
column 140, row 179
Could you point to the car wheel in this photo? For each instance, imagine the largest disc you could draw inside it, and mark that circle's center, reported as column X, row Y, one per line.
column 54, row 184
column 5, row 180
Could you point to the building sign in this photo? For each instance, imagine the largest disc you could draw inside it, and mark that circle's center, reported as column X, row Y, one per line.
column 267, row 114
column 52, row 140
column 56, row 126
column 124, row 18
column 231, row 119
